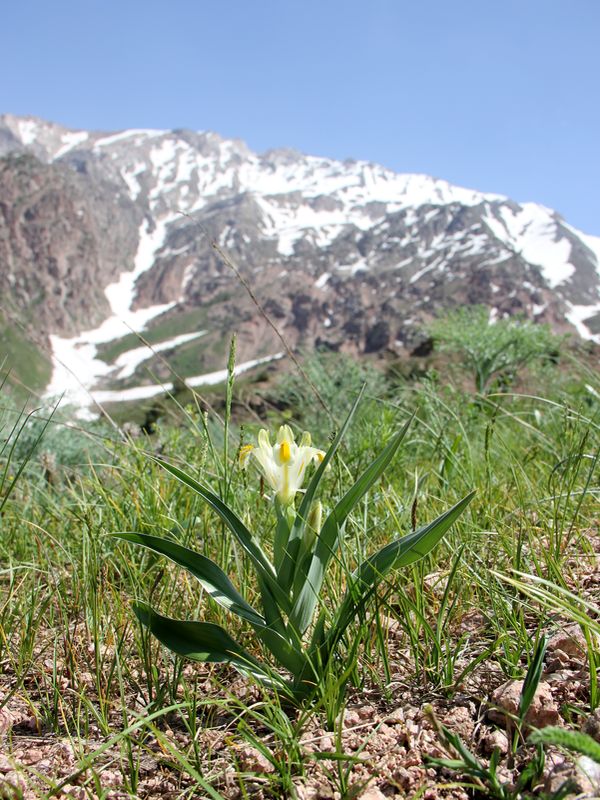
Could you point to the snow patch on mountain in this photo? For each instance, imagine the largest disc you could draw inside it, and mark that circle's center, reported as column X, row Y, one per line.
column 130, row 175
column 531, row 231
column 289, row 223
column 127, row 363
column 28, row 130
column 137, row 135
column 591, row 242
column 121, row 294
column 577, row 316
column 71, row 140
column 76, row 365
column 208, row 379
column 321, row 281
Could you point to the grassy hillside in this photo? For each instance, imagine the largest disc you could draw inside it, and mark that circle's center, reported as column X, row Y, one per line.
column 107, row 711
column 29, row 368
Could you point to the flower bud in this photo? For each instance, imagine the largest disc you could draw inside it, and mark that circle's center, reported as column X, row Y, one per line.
column 313, row 524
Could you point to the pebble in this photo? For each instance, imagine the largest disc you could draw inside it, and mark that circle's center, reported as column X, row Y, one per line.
column 592, row 725
column 542, row 712
column 5, row 764
column 569, row 641
column 372, row 793
column 495, row 740
column 252, row 760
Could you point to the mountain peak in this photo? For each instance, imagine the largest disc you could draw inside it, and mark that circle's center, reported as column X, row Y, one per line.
column 344, row 254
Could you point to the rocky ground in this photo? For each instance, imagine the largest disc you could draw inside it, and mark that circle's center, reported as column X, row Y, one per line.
column 380, row 747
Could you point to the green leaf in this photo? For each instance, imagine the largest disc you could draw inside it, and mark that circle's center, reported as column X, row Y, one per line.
column 272, row 630
column 277, row 636
column 532, row 679
column 237, row 527
column 293, row 556
column 310, row 581
column 400, row 553
column 211, row 577
column 199, row 641
column 328, row 755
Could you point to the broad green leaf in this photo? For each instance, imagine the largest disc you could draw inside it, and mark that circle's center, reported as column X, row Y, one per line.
column 211, row 577
column 293, row 555
column 310, row 580
column 237, row 527
column 400, row 553
column 272, row 631
column 199, row 641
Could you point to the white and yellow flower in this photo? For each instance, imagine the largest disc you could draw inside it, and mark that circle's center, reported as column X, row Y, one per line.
column 283, row 464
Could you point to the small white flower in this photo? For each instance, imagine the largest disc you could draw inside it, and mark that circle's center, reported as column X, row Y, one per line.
column 283, row 464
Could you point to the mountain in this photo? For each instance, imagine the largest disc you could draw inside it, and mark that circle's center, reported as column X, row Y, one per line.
column 102, row 234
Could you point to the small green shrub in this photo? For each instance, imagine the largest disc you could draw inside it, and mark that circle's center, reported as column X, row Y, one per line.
column 492, row 348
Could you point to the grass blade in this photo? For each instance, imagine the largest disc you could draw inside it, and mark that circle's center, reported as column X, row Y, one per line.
column 532, row 679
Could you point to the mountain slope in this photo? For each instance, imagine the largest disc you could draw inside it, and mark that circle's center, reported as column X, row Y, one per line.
column 347, row 255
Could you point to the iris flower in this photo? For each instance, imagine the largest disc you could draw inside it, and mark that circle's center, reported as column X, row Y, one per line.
column 283, row 464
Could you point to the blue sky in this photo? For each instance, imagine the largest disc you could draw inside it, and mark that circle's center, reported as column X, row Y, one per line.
column 496, row 95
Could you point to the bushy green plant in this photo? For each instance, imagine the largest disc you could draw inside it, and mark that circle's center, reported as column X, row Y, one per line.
column 492, row 348
column 294, row 624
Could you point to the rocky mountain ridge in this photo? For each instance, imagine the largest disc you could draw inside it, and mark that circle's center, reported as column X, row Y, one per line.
column 101, row 234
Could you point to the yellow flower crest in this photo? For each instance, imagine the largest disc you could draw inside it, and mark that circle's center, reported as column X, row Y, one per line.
column 284, row 463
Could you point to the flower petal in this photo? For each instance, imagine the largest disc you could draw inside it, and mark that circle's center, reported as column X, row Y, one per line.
column 244, row 455
column 285, row 434
column 263, row 438
column 283, row 464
